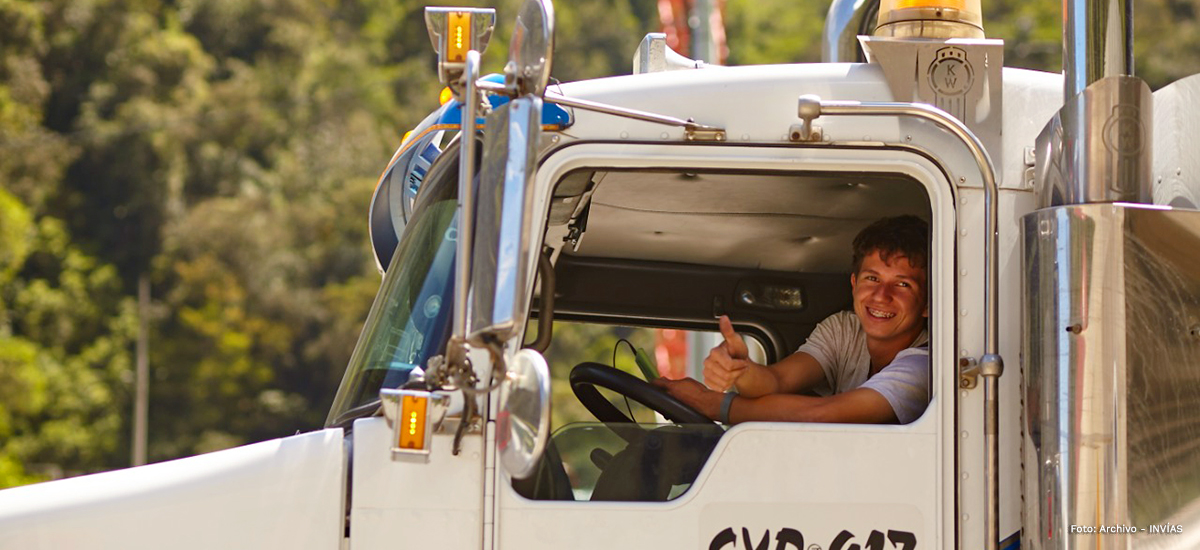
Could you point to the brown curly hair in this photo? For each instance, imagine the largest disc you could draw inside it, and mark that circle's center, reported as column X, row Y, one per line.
column 906, row 236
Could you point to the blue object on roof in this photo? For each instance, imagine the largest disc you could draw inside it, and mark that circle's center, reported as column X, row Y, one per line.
column 552, row 113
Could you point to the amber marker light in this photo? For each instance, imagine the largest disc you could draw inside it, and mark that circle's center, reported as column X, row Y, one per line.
column 458, row 36
column 412, row 423
column 930, row 19
column 456, row 31
column 954, row 4
column 445, row 96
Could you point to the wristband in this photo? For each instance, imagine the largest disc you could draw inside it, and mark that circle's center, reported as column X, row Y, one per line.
column 726, row 402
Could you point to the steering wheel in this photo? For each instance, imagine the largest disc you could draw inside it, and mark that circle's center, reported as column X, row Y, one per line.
column 586, row 376
column 640, row 472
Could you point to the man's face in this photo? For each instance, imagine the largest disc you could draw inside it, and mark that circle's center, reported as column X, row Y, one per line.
column 889, row 298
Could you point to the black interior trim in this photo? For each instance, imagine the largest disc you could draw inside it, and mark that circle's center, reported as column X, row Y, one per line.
column 674, row 295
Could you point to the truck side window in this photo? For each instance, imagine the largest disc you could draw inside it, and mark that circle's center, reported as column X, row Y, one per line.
column 648, row 459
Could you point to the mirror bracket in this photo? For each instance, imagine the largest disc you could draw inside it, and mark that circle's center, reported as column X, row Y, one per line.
column 696, row 132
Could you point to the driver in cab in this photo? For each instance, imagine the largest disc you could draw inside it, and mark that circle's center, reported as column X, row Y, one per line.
column 866, row 366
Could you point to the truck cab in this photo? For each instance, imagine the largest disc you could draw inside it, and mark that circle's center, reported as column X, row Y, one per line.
column 641, row 231
column 469, row 417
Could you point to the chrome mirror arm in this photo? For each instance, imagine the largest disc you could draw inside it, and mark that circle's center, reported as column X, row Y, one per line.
column 695, row 130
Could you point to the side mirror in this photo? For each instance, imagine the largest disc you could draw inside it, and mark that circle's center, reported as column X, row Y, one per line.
column 528, row 69
column 503, row 254
column 503, row 251
column 523, row 423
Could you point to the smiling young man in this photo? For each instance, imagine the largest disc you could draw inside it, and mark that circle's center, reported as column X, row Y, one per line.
column 868, row 366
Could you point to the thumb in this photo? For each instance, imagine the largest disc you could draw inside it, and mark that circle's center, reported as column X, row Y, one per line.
column 733, row 342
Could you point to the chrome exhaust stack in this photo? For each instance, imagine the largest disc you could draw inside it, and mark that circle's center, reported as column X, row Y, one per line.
column 1097, row 42
column 1098, row 147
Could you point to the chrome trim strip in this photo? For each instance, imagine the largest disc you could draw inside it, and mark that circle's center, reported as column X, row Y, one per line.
column 614, row 110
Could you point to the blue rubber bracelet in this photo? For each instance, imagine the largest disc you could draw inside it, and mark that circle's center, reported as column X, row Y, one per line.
column 726, row 402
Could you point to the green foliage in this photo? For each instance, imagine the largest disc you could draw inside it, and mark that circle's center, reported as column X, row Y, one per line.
column 585, row 49
column 32, row 157
column 16, row 225
column 1032, row 32
column 774, row 31
column 64, row 334
column 1167, row 37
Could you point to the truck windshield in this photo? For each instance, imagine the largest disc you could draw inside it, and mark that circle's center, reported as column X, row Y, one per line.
column 410, row 319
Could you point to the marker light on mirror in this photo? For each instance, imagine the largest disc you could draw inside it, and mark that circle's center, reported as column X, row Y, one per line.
column 456, row 31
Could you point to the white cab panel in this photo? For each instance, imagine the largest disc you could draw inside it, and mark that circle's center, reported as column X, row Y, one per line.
column 284, row 493
column 415, row 505
column 768, row 478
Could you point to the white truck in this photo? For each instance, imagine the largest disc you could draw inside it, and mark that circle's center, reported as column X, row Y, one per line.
column 1064, row 309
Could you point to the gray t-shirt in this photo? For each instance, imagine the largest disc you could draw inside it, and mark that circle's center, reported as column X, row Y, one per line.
column 840, row 346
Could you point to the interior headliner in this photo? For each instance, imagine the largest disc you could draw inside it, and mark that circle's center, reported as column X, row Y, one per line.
column 801, row 222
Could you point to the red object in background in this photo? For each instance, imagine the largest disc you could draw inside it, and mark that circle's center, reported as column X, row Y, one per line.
column 670, row 353
column 716, row 25
column 671, row 346
column 673, row 18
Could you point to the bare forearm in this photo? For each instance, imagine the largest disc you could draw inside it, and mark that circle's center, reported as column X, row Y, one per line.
column 775, row 408
column 796, row 373
column 758, row 380
column 861, row 405
column 856, row 406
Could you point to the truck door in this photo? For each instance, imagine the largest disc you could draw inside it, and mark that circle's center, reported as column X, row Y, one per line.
column 723, row 215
